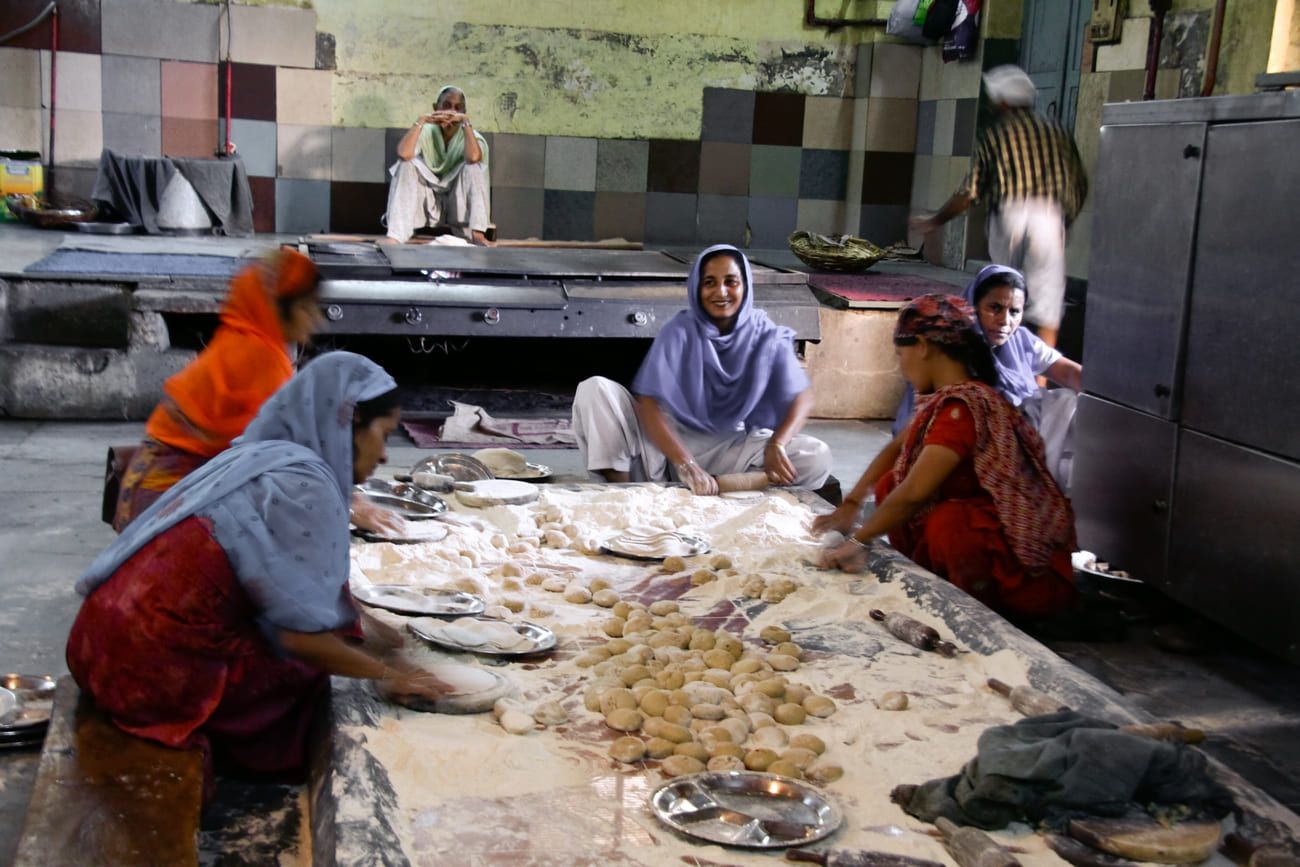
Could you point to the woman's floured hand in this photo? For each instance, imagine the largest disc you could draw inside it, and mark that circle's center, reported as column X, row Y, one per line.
column 777, row 465
column 839, row 521
column 849, row 556
column 694, row 477
column 413, row 683
column 377, row 519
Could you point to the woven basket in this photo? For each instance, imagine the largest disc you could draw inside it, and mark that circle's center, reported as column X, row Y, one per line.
column 834, row 252
column 49, row 215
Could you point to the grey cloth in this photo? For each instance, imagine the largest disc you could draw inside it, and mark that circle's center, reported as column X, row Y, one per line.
column 1059, row 766
column 133, row 187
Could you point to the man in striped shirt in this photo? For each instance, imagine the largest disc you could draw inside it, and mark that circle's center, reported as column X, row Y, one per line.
column 1027, row 169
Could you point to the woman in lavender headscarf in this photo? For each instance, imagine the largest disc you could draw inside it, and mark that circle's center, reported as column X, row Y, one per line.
column 213, row 619
column 721, row 391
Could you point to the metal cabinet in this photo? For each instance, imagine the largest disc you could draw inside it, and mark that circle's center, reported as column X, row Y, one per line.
column 1187, row 452
column 1142, row 240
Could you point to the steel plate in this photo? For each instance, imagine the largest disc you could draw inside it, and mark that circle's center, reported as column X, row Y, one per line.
column 533, row 473
column 35, row 693
column 672, row 545
column 425, row 602
column 543, row 639
column 745, row 809
column 429, row 532
column 409, row 507
column 460, row 467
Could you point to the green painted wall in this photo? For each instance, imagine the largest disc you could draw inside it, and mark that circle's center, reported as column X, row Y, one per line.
column 614, row 69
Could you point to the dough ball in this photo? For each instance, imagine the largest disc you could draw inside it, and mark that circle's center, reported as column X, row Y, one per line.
column 759, row 759
column 512, row 569
column 674, row 564
column 661, row 607
column 726, row 763
column 658, row 748
column 570, row 530
column 627, row 749
column 577, row 594
column 703, row 576
column 773, row 687
column 653, row 726
column 729, row 643
column 670, row 679
column 514, row 585
column 588, row 658
column 702, row 639
column 496, row 612
column 498, row 540
column 624, row 719
column 719, row 561
column 513, row 603
column 555, row 584
column 795, row 693
column 520, row 547
column 717, row 658
column 718, row 677
column 782, row 662
column 892, row 701
column 622, row 609
column 675, row 733
column 758, row 720
column 726, row 748
column 707, row 711
column 517, row 722
column 753, row 587
column 556, row 539
column 819, row 706
column 738, row 727
column 807, row 741
column 598, row 584
column 799, row 757
column 678, row 714
column 694, row 750
column 615, row 646
column 550, row 713
column 824, row 772
column 654, row 703
column 790, row 714
column 756, row 702
column 783, row 768
column 536, row 579
column 785, row 585
column 605, row 597
column 789, row 648
column 772, row 737
column 613, row 699
column 773, row 596
column 633, row 674
column 541, row 609
column 614, row 627
column 749, row 665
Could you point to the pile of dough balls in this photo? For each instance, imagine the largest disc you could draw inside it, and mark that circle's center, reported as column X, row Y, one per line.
column 771, row 591
column 516, row 719
column 696, row 699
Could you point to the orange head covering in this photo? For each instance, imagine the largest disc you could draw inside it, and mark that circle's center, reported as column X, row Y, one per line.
column 210, row 402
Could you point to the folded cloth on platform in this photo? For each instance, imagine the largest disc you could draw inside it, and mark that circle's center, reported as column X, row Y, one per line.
column 1059, row 766
column 471, row 425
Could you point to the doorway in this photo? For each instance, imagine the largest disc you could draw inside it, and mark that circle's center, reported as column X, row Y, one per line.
column 1051, row 52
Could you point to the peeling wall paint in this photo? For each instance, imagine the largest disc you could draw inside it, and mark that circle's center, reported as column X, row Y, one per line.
column 615, row 69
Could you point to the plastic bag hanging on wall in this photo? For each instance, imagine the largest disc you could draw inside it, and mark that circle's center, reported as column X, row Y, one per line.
column 962, row 39
column 900, row 22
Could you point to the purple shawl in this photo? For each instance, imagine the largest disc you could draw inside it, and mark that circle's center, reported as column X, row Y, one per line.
column 722, row 382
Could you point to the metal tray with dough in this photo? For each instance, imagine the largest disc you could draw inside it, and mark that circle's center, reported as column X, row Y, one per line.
column 495, row 492
column 666, row 545
column 460, row 467
column 419, row 601
column 475, row 690
column 422, row 509
column 532, row 473
column 746, row 809
column 423, row 532
column 35, row 695
column 443, row 633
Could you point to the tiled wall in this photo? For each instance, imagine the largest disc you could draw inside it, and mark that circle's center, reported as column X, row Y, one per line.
column 141, row 76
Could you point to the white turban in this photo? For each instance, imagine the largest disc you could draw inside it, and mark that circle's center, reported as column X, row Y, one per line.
column 1010, row 84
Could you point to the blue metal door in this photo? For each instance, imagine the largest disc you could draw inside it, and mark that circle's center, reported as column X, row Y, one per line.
column 1051, row 51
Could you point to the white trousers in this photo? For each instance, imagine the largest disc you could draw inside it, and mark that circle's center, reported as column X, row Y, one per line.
column 418, row 198
column 1051, row 412
column 610, row 438
column 1029, row 235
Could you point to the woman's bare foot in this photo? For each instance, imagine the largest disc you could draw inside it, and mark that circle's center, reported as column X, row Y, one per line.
column 481, row 240
column 387, row 240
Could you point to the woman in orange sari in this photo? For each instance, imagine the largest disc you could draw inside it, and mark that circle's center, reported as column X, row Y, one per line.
column 968, row 496
column 272, row 303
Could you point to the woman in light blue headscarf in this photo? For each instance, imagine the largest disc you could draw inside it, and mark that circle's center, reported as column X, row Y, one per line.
column 720, row 391
column 212, row 620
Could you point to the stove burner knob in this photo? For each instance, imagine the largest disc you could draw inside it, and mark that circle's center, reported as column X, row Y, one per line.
column 333, row 313
column 414, row 316
column 491, row 316
column 638, row 319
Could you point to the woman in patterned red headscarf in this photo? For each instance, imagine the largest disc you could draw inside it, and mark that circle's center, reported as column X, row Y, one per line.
column 968, row 495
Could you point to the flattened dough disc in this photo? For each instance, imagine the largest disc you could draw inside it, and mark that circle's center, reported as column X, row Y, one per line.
column 495, row 492
column 477, row 690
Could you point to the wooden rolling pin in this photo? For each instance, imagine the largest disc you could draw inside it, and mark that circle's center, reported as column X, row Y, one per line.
column 856, row 858
column 914, row 632
column 755, row 481
column 1031, row 702
column 971, row 847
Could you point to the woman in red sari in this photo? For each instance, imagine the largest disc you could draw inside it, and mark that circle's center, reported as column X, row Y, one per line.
column 215, row 620
column 969, row 496
column 272, row 304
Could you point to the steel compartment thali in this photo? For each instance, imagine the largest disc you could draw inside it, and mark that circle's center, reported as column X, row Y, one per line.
column 543, row 639
column 746, row 809
column 419, row 601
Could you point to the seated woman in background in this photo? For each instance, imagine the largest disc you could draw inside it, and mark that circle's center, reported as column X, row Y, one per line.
column 272, row 304
column 211, row 620
column 997, row 295
column 720, row 391
column 969, row 496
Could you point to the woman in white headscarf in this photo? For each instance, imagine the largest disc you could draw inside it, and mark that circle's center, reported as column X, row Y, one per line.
column 213, row 620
